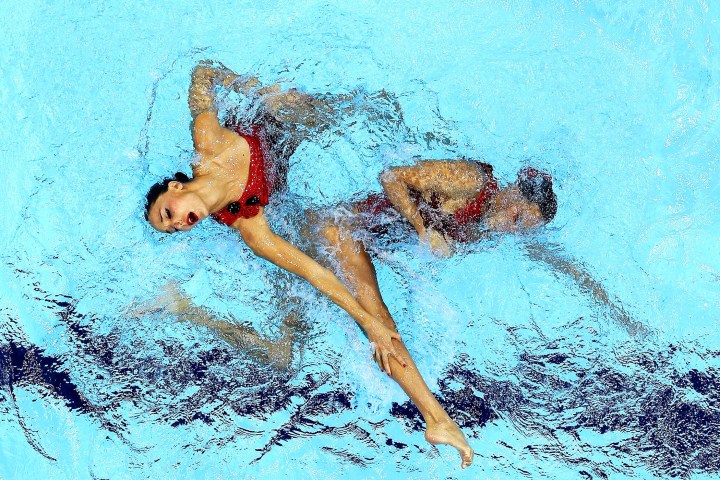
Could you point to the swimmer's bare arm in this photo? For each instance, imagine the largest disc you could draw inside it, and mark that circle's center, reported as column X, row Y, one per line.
column 207, row 75
column 264, row 243
column 209, row 137
column 449, row 178
column 289, row 106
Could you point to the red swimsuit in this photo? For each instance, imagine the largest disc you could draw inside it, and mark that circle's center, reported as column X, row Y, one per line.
column 456, row 225
column 259, row 186
column 476, row 208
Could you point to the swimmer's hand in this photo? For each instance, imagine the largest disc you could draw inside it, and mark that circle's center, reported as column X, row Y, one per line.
column 439, row 243
column 382, row 337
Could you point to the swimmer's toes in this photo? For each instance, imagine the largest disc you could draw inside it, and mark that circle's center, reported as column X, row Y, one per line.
column 467, row 456
column 448, row 433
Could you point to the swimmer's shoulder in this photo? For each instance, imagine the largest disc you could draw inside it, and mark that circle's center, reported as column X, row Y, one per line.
column 211, row 138
column 451, row 167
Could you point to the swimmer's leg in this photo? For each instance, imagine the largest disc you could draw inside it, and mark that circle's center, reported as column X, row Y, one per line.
column 359, row 273
column 277, row 353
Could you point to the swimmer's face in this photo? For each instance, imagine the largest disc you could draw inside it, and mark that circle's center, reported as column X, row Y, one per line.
column 510, row 211
column 177, row 209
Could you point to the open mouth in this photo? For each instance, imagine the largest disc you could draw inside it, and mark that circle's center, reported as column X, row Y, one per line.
column 192, row 218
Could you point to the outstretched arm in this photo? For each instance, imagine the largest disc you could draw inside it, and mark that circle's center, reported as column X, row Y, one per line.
column 207, row 75
column 264, row 243
column 292, row 107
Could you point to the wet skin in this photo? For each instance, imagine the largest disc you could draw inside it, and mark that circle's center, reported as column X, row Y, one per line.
column 178, row 209
column 221, row 174
column 511, row 212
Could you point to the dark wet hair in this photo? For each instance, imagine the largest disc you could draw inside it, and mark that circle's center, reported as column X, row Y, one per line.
column 159, row 188
column 536, row 186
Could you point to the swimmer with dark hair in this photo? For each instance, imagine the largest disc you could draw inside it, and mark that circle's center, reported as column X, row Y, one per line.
column 236, row 170
column 449, row 201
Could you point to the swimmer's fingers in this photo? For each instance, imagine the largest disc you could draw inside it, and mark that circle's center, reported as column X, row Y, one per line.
column 386, row 363
column 398, row 356
column 138, row 311
column 381, row 358
column 440, row 244
column 383, row 337
column 378, row 358
column 143, row 309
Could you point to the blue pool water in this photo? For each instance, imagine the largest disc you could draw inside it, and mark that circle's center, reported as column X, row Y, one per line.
column 610, row 375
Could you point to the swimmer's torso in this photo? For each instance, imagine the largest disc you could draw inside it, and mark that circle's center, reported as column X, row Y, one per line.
column 445, row 195
column 445, row 204
column 227, row 160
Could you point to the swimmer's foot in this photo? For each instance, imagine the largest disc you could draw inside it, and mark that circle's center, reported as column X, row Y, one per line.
column 448, row 433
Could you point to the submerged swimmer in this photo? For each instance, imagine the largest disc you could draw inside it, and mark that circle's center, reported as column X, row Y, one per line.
column 460, row 201
column 235, row 173
column 456, row 201
column 276, row 353
column 445, row 201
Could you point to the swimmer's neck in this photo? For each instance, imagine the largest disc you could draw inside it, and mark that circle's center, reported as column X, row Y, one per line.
column 216, row 191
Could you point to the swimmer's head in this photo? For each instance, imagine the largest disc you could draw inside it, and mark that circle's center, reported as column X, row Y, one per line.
column 527, row 204
column 171, row 206
column 536, row 186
